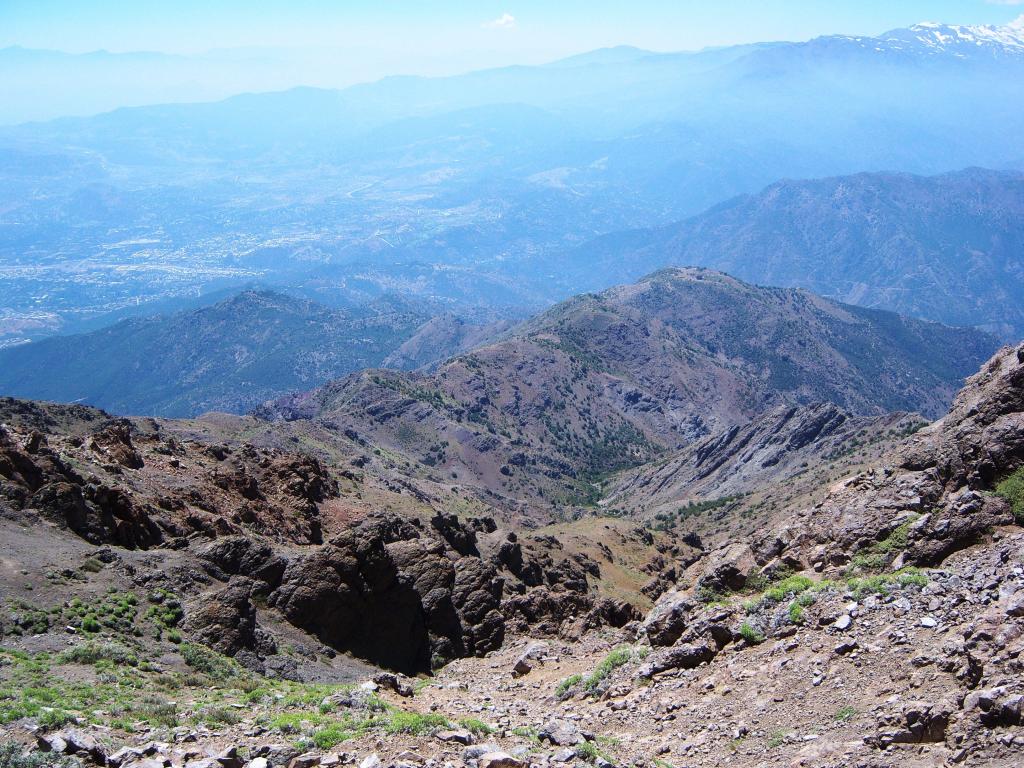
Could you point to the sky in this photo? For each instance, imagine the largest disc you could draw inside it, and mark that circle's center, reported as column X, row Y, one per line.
column 410, row 34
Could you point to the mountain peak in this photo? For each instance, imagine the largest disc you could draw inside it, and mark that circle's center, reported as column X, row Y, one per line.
column 961, row 39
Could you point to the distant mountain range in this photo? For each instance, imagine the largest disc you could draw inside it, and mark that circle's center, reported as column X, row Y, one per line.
column 229, row 357
column 466, row 189
column 607, row 381
column 948, row 248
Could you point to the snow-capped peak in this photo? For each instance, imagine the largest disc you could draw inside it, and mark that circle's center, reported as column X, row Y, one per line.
column 953, row 38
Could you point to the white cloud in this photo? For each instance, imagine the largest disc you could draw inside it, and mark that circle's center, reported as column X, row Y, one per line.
column 507, row 21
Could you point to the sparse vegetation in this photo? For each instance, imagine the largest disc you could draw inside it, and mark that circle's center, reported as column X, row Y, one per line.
column 751, row 635
column 93, row 653
column 845, row 714
column 477, row 727
column 12, row 756
column 207, row 661
column 608, row 664
column 776, row 739
column 1012, row 489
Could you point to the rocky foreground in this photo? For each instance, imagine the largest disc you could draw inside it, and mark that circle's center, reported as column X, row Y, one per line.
column 881, row 625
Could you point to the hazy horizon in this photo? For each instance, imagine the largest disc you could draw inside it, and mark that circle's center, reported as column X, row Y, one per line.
column 184, row 52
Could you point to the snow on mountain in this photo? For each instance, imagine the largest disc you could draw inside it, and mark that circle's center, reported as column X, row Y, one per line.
column 961, row 40
column 933, row 39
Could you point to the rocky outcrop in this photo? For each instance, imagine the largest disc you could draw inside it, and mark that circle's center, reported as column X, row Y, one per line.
column 225, row 620
column 392, row 591
column 128, row 483
column 931, row 497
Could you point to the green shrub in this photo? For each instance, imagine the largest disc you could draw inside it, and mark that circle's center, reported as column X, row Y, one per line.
column 414, row 723
column 563, row 688
column 92, row 653
column 331, row 736
column 1012, row 489
column 217, row 715
column 11, row 756
column 788, row 587
column 52, row 719
column 478, row 727
column 587, row 751
column 609, row 664
column 796, row 613
column 751, row 635
column 156, row 711
column 207, row 661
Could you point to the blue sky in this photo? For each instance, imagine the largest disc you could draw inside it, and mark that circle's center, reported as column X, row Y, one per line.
column 410, row 34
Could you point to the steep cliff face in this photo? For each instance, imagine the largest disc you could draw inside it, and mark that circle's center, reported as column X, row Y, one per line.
column 787, row 442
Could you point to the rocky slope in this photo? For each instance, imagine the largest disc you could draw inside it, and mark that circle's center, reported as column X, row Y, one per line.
column 227, row 527
column 612, row 380
column 945, row 248
column 786, row 442
column 814, row 641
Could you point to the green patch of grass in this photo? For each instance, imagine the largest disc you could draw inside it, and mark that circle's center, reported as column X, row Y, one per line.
column 527, row 733
column 845, row 714
column 882, row 583
column 608, row 664
column 795, row 613
column 331, row 735
column 156, row 711
column 217, row 715
column 751, row 635
column 207, row 661
column 477, row 727
column 295, row 722
column 1012, row 489
column 52, row 719
column 93, row 653
column 709, row 596
column 92, row 565
column 777, row 738
column 791, row 586
column 587, row 751
column 563, row 688
column 414, row 723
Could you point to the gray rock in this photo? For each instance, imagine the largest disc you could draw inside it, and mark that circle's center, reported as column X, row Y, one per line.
column 394, row 683
column 560, row 733
column 499, row 760
column 685, row 656
column 457, row 736
column 523, row 664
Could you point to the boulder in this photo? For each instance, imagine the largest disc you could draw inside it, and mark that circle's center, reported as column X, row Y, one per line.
column 685, row 656
column 499, row 760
